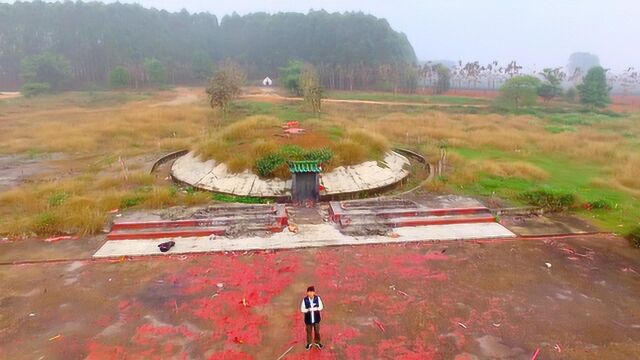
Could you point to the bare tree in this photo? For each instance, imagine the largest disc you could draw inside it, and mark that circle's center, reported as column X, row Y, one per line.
column 311, row 88
column 225, row 86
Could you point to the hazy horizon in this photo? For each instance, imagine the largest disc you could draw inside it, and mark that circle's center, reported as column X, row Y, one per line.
column 537, row 35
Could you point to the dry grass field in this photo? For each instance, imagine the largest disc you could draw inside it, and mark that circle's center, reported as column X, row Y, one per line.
column 104, row 144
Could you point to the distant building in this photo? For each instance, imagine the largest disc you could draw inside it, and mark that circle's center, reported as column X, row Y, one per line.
column 267, row 81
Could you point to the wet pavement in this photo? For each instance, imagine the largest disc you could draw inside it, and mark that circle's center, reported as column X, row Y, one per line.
column 574, row 298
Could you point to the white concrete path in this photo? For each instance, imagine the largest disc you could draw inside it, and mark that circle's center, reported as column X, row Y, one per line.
column 308, row 236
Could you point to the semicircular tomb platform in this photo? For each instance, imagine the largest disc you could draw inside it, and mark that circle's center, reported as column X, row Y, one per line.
column 366, row 177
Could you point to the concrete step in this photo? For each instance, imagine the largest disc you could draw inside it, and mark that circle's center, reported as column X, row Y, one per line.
column 164, row 233
column 224, row 221
column 408, row 221
column 220, row 220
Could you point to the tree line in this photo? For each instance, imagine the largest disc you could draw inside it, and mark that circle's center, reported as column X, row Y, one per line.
column 131, row 44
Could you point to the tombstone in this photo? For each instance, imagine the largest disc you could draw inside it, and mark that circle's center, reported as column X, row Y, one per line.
column 305, row 185
column 267, row 81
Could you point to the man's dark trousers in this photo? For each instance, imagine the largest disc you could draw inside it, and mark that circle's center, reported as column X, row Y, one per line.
column 316, row 329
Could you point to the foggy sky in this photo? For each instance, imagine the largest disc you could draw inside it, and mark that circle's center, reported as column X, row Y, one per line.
column 537, row 33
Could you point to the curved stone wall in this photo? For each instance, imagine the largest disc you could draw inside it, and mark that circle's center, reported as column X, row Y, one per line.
column 365, row 177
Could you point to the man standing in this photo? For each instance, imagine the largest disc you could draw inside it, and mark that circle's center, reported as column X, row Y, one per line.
column 311, row 306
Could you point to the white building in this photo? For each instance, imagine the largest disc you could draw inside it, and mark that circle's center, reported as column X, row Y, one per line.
column 267, row 81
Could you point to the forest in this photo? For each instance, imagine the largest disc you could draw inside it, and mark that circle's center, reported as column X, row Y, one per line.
column 92, row 39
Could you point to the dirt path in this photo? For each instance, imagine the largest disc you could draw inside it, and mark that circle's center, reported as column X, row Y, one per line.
column 279, row 98
column 4, row 95
column 183, row 96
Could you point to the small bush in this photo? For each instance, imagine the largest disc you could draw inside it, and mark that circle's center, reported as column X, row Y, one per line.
column 45, row 223
column 265, row 166
column 131, row 201
column 292, row 152
column 599, row 204
column 34, row 89
column 634, row 237
column 322, row 156
column 549, row 200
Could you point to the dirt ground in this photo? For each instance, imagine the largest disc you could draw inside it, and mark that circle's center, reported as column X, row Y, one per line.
column 571, row 299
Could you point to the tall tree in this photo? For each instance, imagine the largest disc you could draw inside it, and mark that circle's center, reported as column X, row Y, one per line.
column 551, row 87
column 443, row 82
column 519, row 91
column 47, row 68
column 155, row 70
column 346, row 48
column 582, row 61
column 201, row 65
column 594, row 90
column 225, row 86
column 290, row 76
column 119, row 77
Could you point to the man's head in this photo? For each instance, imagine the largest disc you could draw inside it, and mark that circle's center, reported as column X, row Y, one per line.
column 311, row 291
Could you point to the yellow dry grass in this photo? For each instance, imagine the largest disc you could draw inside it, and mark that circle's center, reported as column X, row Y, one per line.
column 92, row 139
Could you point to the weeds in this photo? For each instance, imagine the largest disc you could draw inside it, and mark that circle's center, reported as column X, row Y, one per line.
column 549, row 200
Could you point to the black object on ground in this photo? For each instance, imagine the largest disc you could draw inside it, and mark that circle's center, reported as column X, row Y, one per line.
column 164, row 247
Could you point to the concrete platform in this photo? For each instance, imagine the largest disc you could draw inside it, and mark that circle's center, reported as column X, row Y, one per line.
column 308, row 236
column 212, row 176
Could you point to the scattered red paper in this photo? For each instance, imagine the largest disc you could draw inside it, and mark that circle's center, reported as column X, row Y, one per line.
column 379, row 325
column 60, row 238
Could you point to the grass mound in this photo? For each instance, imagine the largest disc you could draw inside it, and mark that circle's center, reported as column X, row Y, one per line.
column 257, row 144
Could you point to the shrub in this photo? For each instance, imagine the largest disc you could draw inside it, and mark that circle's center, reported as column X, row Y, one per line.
column 45, row 223
column 34, row 89
column 598, row 204
column 131, row 201
column 634, row 237
column 549, row 200
column 293, row 152
column 266, row 165
column 322, row 156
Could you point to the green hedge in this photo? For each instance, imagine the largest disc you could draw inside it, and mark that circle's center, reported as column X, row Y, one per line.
column 267, row 164
column 549, row 200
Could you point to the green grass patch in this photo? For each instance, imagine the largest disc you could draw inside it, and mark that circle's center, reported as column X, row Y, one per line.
column 238, row 199
column 608, row 208
column 416, row 98
column 557, row 129
column 581, row 118
column 284, row 112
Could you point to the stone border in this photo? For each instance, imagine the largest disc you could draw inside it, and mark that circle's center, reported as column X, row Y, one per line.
column 324, row 197
column 166, row 158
